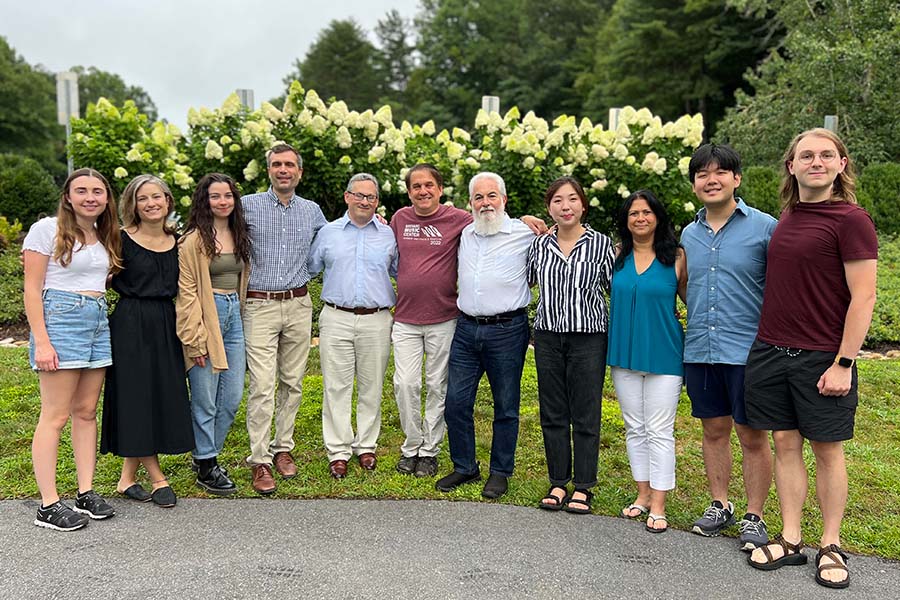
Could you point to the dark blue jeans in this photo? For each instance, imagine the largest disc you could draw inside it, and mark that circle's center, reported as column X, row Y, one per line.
column 499, row 351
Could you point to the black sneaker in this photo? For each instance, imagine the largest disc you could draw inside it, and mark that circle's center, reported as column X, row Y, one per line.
column 450, row 482
column 715, row 518
column 407, row 464
column 427, row 467
column 60, row 517
column 753, row 532
column 213, row 480
column 93, row 505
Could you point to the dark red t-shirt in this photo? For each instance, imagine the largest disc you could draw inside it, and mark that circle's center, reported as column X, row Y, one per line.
column 806, row 297
column 427, row 273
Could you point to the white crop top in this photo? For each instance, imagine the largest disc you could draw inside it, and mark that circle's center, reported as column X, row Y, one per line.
column 86, row 272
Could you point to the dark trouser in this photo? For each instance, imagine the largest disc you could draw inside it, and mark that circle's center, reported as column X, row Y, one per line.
column 570, row 370
column 498, row 350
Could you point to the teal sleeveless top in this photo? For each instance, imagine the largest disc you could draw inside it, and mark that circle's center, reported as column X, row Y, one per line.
column 644, row 334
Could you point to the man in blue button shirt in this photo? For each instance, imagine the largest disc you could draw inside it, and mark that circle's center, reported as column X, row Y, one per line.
column 359, row 256
column 726, row 257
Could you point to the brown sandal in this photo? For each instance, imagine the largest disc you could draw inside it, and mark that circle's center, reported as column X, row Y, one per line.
column 792, row 555
column 834, row 552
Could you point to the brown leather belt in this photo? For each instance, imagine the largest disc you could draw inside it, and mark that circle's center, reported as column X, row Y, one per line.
column 359, row 310
column 285, row 295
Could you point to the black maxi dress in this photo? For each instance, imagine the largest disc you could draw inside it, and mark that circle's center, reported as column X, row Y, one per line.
column 145, row 400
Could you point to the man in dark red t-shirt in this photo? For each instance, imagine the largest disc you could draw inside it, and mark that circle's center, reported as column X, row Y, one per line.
column 801, row 380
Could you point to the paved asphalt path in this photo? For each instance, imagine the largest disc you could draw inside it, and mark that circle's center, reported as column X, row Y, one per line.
column 337, row 549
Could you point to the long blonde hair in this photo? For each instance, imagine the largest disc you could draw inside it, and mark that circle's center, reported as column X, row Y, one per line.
column 844, row 187
column 107, row 225
column 128, row 202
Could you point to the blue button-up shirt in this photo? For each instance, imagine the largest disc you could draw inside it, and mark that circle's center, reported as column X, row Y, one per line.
column 726, row 277
column 493, row 277
column 280, row 237
column 358, row 261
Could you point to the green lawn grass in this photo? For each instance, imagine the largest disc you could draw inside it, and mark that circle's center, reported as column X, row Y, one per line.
column 870, row 526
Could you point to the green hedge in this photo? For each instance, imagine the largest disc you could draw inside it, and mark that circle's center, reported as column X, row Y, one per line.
column 759, row 189
column 879, row 193
column 12, row 308
column 27, row 191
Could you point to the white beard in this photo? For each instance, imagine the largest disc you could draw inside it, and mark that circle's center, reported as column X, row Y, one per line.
column 488, row 222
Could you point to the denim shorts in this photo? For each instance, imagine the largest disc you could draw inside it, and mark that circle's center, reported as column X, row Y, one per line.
column 78, row 330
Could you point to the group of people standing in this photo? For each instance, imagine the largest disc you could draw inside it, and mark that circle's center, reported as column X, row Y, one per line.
column 799, row 291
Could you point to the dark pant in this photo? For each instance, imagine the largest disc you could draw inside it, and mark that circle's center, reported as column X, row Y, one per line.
column 498, row 350
column 570, row 371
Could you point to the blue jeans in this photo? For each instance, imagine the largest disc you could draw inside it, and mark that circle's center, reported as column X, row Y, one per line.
column 499, row 351
column 215, row 397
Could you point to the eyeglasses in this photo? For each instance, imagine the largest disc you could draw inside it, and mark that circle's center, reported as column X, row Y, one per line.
column 369, row 197
column 807, row 157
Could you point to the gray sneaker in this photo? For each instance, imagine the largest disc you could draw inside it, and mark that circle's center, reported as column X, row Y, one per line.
column 93, row 505
column 427, row 466
column 715, row 518
column 407, row 464
column 60, row 517
column 753, row 532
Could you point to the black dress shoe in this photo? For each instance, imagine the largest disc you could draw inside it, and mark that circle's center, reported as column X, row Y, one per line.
column 455, row 479
column 211, row 478
column 495, row 486
column 164, row 496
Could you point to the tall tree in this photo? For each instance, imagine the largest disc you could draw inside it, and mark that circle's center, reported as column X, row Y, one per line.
column 94, row 84
column 840, row 57
column 394, row 58
column 674, row 57
column 340, row 63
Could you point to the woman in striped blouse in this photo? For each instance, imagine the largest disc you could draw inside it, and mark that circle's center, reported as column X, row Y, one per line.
column 572, row 265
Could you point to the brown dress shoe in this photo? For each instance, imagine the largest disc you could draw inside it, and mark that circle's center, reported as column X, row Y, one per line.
column 368, row 461
column 263, row 482
column 285, row 465
column 338, row 468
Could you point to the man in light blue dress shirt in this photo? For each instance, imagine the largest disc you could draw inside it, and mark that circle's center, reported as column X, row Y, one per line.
column 491, row 335
column 726, row 249
column 359, row 256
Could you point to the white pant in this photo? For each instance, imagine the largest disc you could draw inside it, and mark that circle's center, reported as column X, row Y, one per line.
column 352, row 345
column 649, row 403
column 411, row 343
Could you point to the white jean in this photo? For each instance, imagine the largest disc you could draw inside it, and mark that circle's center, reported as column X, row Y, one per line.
column 352, row 346
column 649, row 402
column 411, row 343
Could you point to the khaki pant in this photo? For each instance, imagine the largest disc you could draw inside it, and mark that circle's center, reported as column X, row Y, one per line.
column 352, row 345
column 277, row 337
column 411, row 343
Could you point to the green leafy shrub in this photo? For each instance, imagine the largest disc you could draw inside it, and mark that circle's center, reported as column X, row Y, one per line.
column 878, row 191
column 9, row 232
column 12, row 308
column 759, row 189
column 885, row 328
column 27, row 191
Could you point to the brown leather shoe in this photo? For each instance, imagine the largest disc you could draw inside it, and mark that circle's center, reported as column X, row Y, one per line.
column 368, row 461
column 338, row 468
column 284, row 464
column 263, row 482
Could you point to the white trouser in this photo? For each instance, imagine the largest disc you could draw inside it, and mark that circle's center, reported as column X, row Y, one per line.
column 649, row 403
column 411, row 343
column 352, row 345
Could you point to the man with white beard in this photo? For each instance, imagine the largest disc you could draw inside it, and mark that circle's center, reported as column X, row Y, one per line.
column 491, row 335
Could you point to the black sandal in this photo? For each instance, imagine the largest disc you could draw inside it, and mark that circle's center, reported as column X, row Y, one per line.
column 834, row 552
column 792, row 555
column 589, row 496
column 558, row 502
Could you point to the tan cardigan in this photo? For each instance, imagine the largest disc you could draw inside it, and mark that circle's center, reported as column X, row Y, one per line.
column 196, row 317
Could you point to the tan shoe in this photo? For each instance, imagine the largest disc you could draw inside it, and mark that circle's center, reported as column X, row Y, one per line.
column 263, row 482
column 285, row 465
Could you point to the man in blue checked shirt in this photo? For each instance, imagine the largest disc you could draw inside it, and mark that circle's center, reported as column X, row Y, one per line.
column 278, row 313
column 726, row 249
column 359, row 256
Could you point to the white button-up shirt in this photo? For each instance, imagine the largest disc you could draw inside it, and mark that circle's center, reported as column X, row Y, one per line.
column 493, row 269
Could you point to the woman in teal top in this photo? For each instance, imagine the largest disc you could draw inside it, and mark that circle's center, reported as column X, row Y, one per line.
column 646, row 343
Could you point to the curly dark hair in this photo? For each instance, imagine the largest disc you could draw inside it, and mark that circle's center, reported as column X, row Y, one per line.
column 201, row 217
column 665, row 244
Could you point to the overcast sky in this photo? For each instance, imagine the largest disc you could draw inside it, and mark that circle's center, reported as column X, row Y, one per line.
column 182, row 52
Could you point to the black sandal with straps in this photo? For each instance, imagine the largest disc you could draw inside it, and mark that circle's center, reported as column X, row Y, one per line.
column 834, row 552
column 557, row 502
column 578, row 510
column 792, row 555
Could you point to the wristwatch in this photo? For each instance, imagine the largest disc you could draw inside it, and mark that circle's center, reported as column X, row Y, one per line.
column 843, row 361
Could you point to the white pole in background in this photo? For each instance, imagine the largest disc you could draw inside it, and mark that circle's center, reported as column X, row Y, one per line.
column 246, row 97
column 67, row 105
column 490, row 104
column 831, row 123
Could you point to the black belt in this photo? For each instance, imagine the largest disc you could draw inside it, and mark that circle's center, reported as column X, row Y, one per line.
column 356, row 310
column 494, row 319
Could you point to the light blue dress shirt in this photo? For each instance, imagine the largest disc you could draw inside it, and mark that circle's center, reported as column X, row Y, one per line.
column 358, row 262
column 726, row 277
column 493, row 275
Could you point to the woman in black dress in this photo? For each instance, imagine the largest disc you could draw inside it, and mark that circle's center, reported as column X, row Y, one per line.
column 145, row 401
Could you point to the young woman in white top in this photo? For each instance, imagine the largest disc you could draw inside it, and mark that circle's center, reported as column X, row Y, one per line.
column 67, row 261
